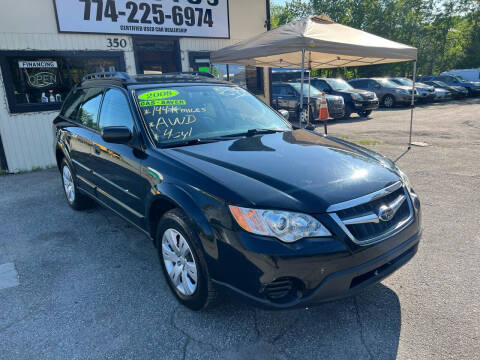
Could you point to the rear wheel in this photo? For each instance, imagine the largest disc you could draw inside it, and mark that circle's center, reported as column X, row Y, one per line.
column 75, row 199
column 182, row 261
column 389, row 101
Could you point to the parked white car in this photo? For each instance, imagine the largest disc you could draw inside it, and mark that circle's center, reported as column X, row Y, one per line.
column 467, row 74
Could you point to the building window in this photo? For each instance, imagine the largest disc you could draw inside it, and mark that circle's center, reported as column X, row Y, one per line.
column 40, row 80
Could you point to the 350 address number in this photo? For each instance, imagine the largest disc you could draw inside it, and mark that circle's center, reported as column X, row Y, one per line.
column 145, row 13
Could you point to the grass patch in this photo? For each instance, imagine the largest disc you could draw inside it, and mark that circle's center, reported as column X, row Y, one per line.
column 367, row 142
column 361, row 142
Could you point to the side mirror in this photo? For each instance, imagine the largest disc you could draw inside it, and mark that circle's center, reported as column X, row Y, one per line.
column 284, row 113
column 116, row 134
column 377, row 86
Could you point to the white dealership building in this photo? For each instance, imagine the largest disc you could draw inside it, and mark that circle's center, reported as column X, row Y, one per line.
column 47, row 46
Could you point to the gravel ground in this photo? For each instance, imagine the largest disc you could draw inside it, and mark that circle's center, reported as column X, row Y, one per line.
column 90, row 286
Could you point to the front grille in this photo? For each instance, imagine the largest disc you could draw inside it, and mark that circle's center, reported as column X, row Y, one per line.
column 335, row 106
column 362, row 221
column 368, row 96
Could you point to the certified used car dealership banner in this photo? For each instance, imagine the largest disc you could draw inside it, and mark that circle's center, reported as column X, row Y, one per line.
column 185, row 18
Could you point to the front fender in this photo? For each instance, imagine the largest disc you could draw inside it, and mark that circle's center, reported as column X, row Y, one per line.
column 202, row 208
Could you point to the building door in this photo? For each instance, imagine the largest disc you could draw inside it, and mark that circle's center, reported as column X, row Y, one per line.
column 156, row 56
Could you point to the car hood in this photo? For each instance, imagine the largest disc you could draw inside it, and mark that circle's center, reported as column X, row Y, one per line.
column 296, row 170
column 403, row 87
column 364, row 93
column 423, row 86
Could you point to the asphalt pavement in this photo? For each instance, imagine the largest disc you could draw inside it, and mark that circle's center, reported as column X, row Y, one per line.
column 86, row 285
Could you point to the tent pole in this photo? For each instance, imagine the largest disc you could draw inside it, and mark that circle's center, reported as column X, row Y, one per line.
column 412, row 104
column 301, row 89
column 308, row 102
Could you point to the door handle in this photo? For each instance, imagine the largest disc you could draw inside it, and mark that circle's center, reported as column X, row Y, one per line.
column 97, row 149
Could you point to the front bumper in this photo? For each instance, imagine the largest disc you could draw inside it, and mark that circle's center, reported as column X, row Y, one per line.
column 336, row 109
column 406, row 99
column 319, row 269
column 365, row 105
column 426, row 96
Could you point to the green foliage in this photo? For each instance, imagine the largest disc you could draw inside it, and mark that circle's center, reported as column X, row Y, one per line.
column 446, row 32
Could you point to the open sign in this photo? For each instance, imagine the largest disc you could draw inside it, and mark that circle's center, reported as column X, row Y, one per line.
column 42, row 79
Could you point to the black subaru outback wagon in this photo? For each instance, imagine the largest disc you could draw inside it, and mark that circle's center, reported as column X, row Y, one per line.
column 233, row 196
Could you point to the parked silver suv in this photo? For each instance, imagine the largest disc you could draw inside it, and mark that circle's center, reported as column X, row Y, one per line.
column 388, row 92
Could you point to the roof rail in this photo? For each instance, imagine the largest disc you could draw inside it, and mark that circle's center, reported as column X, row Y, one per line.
column 107, row 75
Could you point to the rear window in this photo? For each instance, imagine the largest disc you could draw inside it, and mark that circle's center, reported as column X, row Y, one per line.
column 183, row 113
column 72, row 104
column 88, row 113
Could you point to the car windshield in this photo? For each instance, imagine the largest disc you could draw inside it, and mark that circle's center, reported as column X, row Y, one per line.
column 439, row 83
column 182, row 114
column 387, row 83
column 459, row 78
column 403, row 81
column 339, row 84
column 313, row 90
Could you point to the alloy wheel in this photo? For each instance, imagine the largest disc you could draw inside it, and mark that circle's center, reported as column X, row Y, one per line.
column 68, row 184
column 388, row 102
column 304, row 116
column 179, row 262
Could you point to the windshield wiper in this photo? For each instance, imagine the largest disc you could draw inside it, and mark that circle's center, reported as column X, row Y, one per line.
column 251, row 132
column 190, row 142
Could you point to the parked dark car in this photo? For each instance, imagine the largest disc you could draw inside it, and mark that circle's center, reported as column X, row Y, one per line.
column 473, row 87
column 286, row 96
column 426, row 93
column 357, row 101
column 233, row 197
column 389, row 93
column 457, row 92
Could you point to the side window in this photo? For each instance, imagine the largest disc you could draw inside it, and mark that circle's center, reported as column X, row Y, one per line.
column 288, row 91
column 72, row 105
column 321, row 85
column 88, row 113
column 359, row 84
column 276, row 90
column 446, row 79
column 372, row 84
column 115, row 110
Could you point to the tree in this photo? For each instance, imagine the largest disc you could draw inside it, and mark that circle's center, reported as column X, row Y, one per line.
column 446, row 33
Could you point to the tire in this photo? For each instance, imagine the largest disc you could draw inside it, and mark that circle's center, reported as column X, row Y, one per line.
column 348, row 112
column 364, row 113
column 75, row 198
column 303, row 116
column 184, row 266
column 389, row 101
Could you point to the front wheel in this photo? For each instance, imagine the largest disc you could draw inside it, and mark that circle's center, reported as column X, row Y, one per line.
column 364, row 113
column 348, row 112
column 389, row 101
column 182, row 261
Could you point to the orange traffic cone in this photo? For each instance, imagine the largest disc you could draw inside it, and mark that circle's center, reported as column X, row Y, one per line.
column 323, row 112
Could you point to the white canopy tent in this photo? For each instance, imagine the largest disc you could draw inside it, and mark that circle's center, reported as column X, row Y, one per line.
column 316, row 42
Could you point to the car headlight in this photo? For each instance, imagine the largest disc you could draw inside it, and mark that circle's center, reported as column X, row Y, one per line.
column 284, row 225
column 407, row 184
column 356, row 96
